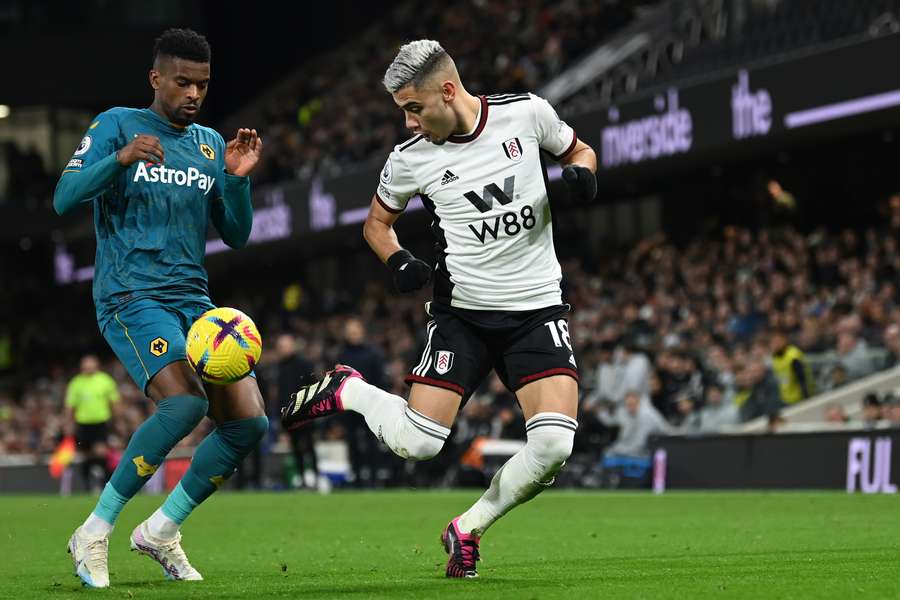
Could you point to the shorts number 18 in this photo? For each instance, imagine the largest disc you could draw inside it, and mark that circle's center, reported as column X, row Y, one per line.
column 559, row 330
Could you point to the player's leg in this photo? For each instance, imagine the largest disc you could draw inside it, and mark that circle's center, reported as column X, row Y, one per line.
column 452, row 364
column 539, row 367
column 149, row 342
column 240, row 419
column 239, row 413
column 549, row 406
column 180, row 406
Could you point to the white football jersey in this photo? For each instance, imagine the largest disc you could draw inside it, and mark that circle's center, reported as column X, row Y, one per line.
column 487, row 195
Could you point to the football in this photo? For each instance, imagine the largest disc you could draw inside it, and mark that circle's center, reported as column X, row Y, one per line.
column 223, row 345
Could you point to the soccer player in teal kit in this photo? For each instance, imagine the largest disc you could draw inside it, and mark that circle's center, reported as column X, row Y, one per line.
column 155, row 180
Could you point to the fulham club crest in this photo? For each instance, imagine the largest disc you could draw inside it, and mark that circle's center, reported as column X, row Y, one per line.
column 513, row 149
column 443, row 361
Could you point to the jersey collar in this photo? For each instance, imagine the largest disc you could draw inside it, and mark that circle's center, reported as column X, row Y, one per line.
column 482, row 120
column 165, row 124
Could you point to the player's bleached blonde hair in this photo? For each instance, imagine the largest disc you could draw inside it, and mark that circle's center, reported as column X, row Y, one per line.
column 414, row 63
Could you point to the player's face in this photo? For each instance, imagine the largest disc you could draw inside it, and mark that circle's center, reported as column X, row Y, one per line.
column 181, row 87
column 427, row 112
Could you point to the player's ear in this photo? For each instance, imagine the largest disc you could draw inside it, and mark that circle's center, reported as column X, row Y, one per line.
column 154, row 79
column 448, row 91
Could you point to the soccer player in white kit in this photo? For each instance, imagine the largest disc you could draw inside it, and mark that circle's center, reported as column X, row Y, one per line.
column 475, row 161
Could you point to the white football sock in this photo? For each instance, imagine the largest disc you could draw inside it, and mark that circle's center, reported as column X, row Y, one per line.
column 94, row 526
column 407, row 432
column 161, row 527
column 527, row 473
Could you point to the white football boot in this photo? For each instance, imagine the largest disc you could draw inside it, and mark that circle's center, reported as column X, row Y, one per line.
column 91, row 558
column 167, row 553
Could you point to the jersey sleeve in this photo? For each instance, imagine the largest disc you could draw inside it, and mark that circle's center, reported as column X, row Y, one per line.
column 99, row 141
column 93, row 166
column 554, row 135
column 396, row 184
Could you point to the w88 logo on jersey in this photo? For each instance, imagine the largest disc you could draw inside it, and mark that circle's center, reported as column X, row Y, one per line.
column 509, row 224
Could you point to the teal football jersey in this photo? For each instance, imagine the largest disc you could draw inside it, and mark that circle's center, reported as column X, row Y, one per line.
column 151, row 221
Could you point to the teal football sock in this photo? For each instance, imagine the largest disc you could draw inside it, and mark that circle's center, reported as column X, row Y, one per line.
column 215, row 459
column 175, row 417
column 178, row 505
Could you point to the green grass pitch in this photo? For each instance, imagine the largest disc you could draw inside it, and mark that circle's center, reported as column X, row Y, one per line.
column 561, row 545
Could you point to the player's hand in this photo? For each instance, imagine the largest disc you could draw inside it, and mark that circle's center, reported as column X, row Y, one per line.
column 581, row 182
column 410, row 273
column 142, row 147
column 243, row 152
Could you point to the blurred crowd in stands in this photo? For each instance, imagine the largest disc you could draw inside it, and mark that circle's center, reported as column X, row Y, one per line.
column 336, row 113
column 669, row 339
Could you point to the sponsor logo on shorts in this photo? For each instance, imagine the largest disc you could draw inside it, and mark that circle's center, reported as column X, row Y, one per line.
column 443, row 361
column 159, row 346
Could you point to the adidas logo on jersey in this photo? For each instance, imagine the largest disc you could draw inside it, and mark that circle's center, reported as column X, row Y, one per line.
column 448, row 177
column 161, row 174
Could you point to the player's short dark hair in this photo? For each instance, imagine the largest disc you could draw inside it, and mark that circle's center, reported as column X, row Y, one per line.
column 182, row 43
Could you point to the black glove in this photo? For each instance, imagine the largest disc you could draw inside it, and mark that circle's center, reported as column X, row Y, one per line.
column 582, row 183
column 410, row 273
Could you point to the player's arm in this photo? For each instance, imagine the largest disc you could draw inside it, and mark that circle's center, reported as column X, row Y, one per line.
column 396, row 186
column 410, row 273
column 581, row 155
column 579, row 161
column 232, row 214
column 378, row 230
column 579, row 168
column 97, row 162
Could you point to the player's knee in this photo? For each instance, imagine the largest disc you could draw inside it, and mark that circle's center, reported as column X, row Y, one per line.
column 181, row 414
column 257, row 428
column 244, row 434
column 422, row 447
column 551, row 439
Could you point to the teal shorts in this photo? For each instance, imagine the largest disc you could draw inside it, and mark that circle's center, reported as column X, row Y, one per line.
column 148, row 334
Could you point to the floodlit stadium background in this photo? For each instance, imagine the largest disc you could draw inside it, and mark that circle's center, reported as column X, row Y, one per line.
column 747, row 178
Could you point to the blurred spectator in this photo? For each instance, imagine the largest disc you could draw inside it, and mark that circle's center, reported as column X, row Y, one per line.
column 631, row 370
column 852, row 355
column 890, row 410
column 784, row 205
column 637, row 421
column 293, row 371
column 758, row 393
column 834, row 413
column 90, row 398
column 368, row 460
column 795, row 379
column 607, row 375
column 871, row 411
column 686, row 419
column 628, row 458
column 717, row 413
